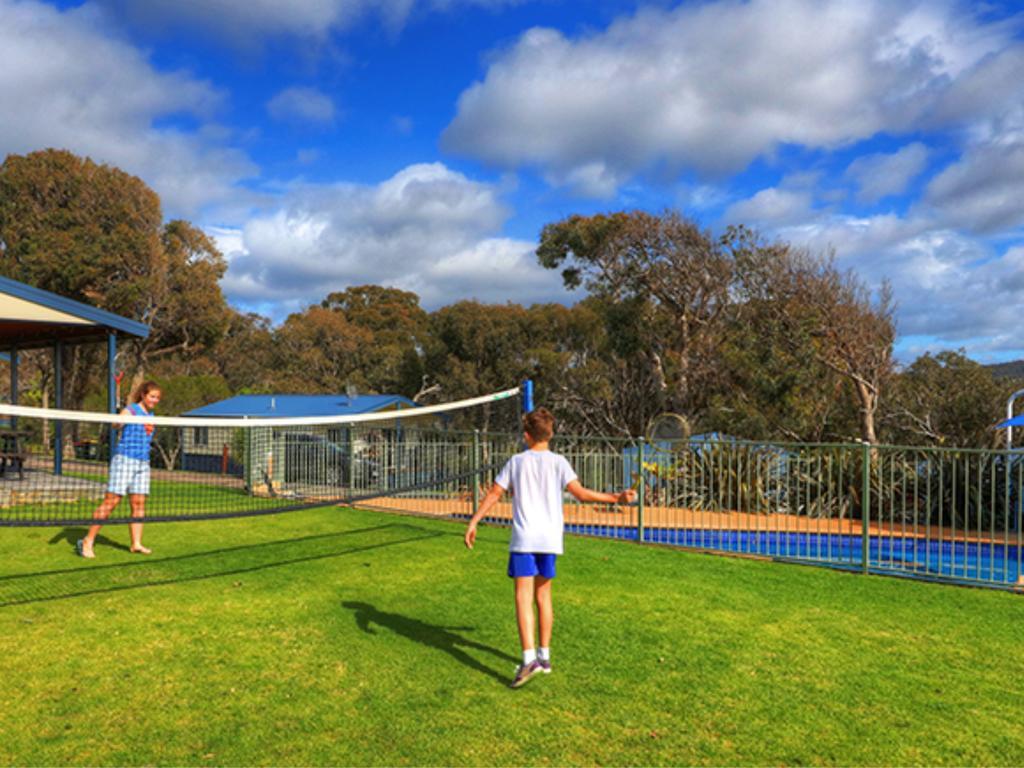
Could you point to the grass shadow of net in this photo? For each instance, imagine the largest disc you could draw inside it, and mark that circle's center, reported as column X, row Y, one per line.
column 90, row 579
column 442, row 638
column 72, row 535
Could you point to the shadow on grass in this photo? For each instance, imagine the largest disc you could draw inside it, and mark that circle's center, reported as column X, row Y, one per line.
column 442, row 638
column 90, row 579
column 72, row 535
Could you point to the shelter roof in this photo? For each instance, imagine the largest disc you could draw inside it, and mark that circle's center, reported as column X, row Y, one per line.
column 31, row 318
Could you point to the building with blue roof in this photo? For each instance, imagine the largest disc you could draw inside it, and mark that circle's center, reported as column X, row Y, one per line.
column 211, row 450
column 264, row 406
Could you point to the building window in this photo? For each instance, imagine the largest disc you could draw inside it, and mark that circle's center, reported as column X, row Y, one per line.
column 201, row 436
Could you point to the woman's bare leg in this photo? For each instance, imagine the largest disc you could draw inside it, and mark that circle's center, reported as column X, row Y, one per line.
column 138, row 502
column 110, row 501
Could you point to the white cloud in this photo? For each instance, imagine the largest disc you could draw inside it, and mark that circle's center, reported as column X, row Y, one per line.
column 950, row 288
column 983, row 190
column 773, row 207
column 66, row 83
column 301, row 105
column 427, row 229
column 711, row 86
column 882, row 175
column 227, row 239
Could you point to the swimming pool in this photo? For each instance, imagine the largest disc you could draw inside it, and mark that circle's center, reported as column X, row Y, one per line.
column 999, row 564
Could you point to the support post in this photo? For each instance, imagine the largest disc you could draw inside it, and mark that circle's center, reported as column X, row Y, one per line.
column 865, row 507
column 641, row 491
column 1009, row 415
column 350, row 469
column 58, row 402
column 111, row 388
column 14, row 384
column 475, row 468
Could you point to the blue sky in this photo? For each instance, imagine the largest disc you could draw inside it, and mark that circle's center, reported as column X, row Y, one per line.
column 424, row 143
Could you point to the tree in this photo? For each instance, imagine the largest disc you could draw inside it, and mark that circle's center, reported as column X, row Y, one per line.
column 82, row 230
column 832, row 313
column 86, row 231
column 190, row 313
column 945, row 399
column 589, row 362
column 662, row 266
column 770, row 388
column 393, row 361
column 316, row 351
column 477, row 349
column 94, row 234
column 246, row 355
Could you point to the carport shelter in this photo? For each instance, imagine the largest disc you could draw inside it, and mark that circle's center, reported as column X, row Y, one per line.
column 31, row 318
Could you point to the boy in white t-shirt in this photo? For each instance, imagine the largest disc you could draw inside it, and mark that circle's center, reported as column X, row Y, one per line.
column 536, row 478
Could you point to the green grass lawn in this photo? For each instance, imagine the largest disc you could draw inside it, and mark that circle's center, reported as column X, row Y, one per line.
column 341, row 637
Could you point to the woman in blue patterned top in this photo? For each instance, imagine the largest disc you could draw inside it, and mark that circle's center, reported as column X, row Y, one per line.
column 129, row 471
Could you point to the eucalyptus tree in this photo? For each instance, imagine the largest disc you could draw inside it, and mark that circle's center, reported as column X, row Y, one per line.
column 96, row 234
column 674, row 277
column 815, row 306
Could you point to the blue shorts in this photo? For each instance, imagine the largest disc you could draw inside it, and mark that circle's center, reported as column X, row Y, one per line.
column 531, row 564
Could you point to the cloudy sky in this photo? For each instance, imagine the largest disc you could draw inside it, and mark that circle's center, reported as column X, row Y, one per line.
column 424, row 143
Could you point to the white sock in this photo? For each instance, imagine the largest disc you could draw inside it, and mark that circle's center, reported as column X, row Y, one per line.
column 544, row 654
column 529, row 656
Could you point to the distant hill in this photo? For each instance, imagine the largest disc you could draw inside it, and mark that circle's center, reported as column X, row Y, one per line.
column 1012, row 370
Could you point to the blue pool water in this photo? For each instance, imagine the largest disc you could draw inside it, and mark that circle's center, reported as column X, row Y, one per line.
column 935, row 558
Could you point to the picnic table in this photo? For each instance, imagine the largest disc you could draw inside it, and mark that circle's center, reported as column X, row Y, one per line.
column 12, row 451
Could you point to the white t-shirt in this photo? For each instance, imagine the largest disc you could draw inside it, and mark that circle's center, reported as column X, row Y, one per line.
column 536, row 480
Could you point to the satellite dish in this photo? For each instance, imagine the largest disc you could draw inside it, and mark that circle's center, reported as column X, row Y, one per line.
column 668, row 426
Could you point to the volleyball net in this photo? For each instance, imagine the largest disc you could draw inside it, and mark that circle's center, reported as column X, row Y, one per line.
column 58, row 467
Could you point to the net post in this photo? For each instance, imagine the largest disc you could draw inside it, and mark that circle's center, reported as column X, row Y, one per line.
column 640, row 494
column 527, row 396
column 475, row 467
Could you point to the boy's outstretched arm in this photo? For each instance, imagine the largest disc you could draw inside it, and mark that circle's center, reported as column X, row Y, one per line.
column 585, row 494
column 485, row 506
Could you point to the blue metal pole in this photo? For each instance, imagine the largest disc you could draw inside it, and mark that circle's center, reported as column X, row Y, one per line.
column 14, row 384
column 527, row 396
column 112, row 387
column 58, row 402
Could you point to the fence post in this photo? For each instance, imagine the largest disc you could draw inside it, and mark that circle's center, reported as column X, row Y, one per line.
column 475, row 469
column 640, row 492
column 865, row 506
column 350, row 450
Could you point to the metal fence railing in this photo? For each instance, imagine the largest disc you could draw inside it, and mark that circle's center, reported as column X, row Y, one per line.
column 937, row 513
